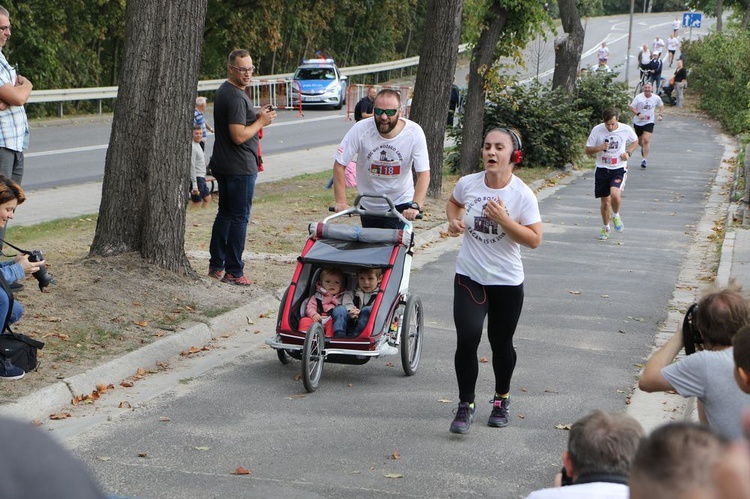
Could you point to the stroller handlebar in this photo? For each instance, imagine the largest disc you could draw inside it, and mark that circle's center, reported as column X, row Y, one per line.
column 356, row 209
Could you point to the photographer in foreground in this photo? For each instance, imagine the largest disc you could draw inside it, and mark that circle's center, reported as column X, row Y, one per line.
column 601, row 449
column 11, row 195
column 709, row 373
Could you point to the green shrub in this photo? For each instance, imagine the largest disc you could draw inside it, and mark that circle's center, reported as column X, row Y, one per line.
column 554, row 128
column 719, row 69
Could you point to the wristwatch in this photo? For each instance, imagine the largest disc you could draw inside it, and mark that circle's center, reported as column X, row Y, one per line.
column 414, row 206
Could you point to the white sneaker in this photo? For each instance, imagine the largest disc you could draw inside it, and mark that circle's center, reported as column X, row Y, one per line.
column 386, row 349
column 604, row 234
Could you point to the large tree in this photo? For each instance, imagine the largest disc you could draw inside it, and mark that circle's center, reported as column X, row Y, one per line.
column 437, row 63
column 146, row 171
column 504, row 28
column 568, row 47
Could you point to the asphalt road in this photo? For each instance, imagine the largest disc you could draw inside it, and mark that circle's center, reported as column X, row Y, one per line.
column 591, row 313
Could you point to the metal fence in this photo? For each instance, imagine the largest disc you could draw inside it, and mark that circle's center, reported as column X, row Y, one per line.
column 275, row 89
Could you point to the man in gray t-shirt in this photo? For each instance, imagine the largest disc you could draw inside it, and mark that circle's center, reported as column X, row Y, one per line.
column 708, row 374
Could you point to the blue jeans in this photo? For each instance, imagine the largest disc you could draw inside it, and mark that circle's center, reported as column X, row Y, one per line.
column 5, row 303
column 364, row 316
column 230, row 226
column 340, row 318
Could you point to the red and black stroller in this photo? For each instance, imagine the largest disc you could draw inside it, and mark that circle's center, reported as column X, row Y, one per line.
column 396, row 322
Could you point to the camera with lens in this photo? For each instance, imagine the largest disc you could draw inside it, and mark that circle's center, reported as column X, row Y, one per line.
column 691, row 337
column 43, row 277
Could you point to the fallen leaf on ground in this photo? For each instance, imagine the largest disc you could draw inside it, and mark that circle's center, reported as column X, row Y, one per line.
column 202, row 447
column 164, row 419
column 562, row 426
column 143, row 454
column 242, row 471
column 483, row 360
column 126, row 383
column 574, row 292
column 60, row 415
column 445, row 401
column 125, row 405
column 393, row 475
column 395, row 455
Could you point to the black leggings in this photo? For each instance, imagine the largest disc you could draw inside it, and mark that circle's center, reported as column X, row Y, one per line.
column 502, row 306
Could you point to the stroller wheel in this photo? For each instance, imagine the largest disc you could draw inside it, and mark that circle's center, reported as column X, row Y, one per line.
column 312, row 357
column 411, row 335
column 283, row 357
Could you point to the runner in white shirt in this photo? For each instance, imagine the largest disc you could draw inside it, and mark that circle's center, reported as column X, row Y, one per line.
column 603, row 53
column 646, row 108
column 673, row 43
column 658, row 45
column 613, row 143
column 386, row 148
column 676, row 26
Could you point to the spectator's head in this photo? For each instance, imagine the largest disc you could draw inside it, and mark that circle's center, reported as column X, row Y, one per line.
column 369, row 279
column 721, row 314
column 676, row 461
column 197, row 133
column 741, row 352
column 200, row 104
column 371, row 93
column 11, row 195
column 602, row 442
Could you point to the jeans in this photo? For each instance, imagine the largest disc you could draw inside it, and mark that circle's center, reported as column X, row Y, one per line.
column 340, row 318
column 678, row 87
column 230, row 226
column 5, row 303
column 364, row 316
column 11, row 166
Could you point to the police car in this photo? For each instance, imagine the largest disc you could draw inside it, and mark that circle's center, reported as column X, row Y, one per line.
column 319, row 83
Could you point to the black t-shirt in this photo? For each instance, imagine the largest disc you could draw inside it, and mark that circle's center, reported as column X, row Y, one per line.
column 232, row 106
column 365, row 105
column 680, row 75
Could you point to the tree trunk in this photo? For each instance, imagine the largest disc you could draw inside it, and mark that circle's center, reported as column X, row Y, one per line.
column 568, row 47
column 437, row 64
column 746, row 17
column 482, row 59
column 147, row 168
column 719, row 14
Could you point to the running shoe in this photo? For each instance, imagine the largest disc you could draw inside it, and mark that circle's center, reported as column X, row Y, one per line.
column 464, row 416
column 237, row 281
column 500, row 413
column 643, row 164
column 619, row 227
column 604, row 234
column 215, row 273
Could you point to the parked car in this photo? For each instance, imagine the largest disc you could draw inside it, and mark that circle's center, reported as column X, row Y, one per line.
column 319, row 83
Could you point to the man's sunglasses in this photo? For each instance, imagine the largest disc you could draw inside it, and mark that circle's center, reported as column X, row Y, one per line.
column 388, row 112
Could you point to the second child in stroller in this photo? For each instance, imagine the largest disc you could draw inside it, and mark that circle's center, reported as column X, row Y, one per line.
column 359, row 301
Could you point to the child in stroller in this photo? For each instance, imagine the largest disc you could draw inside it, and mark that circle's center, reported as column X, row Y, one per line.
column 325, row 305
column 358, row 301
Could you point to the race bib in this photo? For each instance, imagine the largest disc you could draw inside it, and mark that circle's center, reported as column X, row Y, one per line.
column 609, row 160
column 385, row 170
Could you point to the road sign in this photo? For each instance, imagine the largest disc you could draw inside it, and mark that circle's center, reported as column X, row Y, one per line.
column 692, row 19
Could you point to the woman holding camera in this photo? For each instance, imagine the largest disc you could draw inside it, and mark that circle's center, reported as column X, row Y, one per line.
column 11, row 195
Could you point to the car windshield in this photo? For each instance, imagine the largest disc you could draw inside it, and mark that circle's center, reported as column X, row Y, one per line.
column 314, row 74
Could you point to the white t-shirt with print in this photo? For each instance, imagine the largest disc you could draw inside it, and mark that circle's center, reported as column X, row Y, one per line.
column 673, row 43
column 384, row 165
column 488, row 256
column 618, row 141
column 646, row 107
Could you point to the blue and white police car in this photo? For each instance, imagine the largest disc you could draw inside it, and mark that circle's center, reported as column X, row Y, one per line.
column 318, row 82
